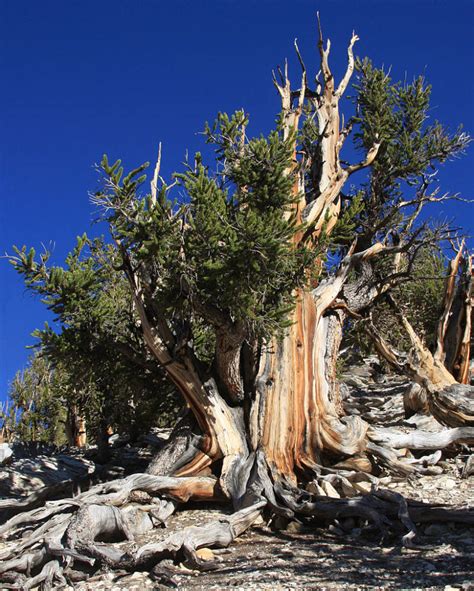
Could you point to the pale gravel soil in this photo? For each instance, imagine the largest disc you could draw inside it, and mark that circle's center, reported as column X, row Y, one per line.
column 262, row 560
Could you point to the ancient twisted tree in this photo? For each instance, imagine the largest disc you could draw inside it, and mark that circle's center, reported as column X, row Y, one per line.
column 240, row 290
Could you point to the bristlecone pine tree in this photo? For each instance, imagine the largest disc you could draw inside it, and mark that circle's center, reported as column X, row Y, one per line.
column 245, row 259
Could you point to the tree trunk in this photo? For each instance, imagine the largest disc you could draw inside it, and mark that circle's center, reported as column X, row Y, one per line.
column 457, row 338
column 75, row 427
column 296, row 416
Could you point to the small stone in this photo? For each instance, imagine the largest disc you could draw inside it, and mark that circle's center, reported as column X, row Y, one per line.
column 314, row 488
column 363, row 487
column 468, row 469
column 295, row 527
column 329, row 490
column 449, row 484
column 348, row 490
column 205, row 554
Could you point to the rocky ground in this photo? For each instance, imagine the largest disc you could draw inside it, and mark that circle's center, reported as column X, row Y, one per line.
column 350, row 555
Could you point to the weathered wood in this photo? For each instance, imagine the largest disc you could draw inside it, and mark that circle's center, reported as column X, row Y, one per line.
column 415, row 400
column 453, row 405
column 182, row 447
column 449, row 293
column 50, row 572
column 215, row 534
column 97, row 523
column 421, row 439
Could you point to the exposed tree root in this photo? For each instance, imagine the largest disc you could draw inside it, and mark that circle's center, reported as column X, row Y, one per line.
column 422, row 440
column 98, row 528
column 218, row 534
column 54, row 542
column 454, row 405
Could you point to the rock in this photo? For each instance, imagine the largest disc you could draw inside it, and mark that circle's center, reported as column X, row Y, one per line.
column 363, row 487
column 347, row 489
column 205, row 554
column 329, row 490
column 140, row 496
column 448, row 484
column 314, row 488
column 468, row 469
column 355, row 382
column 6, row 453
column 295, row 527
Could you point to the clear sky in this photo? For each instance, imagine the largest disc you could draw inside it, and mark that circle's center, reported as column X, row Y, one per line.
column 81, row 77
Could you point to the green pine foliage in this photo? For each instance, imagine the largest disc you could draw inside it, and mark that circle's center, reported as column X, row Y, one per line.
column 96, row 342
column 398, row 116
column 227, row 252
column 420, row 299
column 37, row 403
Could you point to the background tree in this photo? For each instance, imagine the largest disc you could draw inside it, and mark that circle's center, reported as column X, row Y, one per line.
column 109, row 378
column 36, row 400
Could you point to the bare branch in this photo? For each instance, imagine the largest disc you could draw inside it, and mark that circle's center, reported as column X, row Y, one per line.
column 449, row 292
column 324, row 53
column 156, row 175
column 371, row 154
column 350, row 66
column 303, row 77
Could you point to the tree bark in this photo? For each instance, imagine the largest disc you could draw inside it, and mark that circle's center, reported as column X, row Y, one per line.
column 297, row 411
column 75, row 427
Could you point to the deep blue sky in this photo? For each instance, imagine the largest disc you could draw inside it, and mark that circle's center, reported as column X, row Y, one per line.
column 80, row 78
